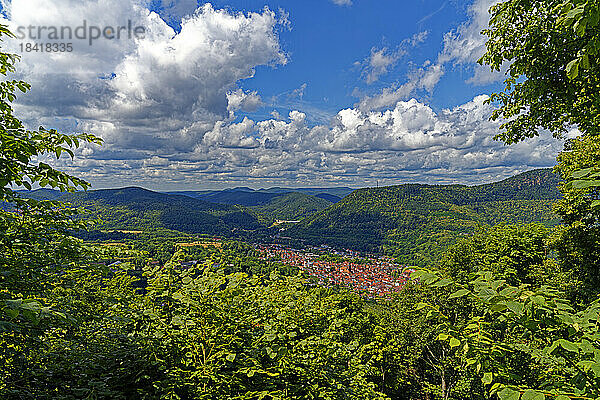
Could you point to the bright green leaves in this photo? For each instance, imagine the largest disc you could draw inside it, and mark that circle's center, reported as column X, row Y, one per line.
column 459, row 293
column 515, row 307
column 509, row 394
column 442, row 283
column 533, row 395
column 256, row 335
column 551, row 50
column 569, row 346
column 584, row 179
column 573, row 69
column 581, row 19
column 527, row 323
column 488, row 378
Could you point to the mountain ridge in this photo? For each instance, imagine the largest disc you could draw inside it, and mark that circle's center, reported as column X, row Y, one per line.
column 410, row 219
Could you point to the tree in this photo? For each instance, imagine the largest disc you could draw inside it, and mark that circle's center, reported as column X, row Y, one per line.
column 578, row 241
column 35, row 238
column 551, row 48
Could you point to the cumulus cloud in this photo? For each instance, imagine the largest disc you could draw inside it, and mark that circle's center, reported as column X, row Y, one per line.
column 161, row 91
column 423, row 78
column 465, row 45
column 242, row 100
column 382, row 60
column 407, row 143
column 166, row 106
column 342, row 2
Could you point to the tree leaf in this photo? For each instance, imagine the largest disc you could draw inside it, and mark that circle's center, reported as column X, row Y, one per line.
column 569, row 346
column 573, row 69
column 515, row 307
column 509, row 394
column 533, row 395
column 581, row 173
column 488, row 377
column 442, row 283
column 459, row 293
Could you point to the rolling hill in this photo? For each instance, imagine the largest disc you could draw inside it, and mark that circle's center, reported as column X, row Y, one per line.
column 250, row 198
column 272, row 205
column 416, row 222
column 140, row 209
column 292, row 207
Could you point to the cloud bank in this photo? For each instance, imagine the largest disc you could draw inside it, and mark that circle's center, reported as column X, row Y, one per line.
column 167, row 106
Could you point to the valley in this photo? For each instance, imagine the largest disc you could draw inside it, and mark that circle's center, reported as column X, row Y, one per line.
column 412, row 223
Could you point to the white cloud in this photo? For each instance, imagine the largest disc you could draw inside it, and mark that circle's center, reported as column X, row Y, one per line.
column 166, row 104
column 379, row 62
column 163, row 91
column 406, row 143
column 424, row 78
column 245, row 101
column 465, row 45
column 382, row 60
column 342, row 2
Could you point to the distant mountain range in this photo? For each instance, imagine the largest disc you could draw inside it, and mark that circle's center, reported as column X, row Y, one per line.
column 414, row 222
column 249, row 197
column 215, row 213
column 135, row 208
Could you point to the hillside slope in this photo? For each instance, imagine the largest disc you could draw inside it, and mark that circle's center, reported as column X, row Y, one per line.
column 292, row 207
column 140, row 209
column 416, row 222
column 272, row 205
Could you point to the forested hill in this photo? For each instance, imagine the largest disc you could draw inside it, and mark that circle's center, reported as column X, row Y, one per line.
column 416, row 222
column 140, row 209
column 292, row 207
column 253, row 198
column 272, row 204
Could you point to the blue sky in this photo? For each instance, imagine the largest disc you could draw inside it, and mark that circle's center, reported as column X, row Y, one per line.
column 272, row 93
column 325, row 41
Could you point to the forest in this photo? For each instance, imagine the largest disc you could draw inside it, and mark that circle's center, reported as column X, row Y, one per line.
column 416, row 223
column 508, row 310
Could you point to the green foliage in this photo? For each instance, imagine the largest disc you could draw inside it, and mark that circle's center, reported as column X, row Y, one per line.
column 416, row 223
column 236, row 257
column 292, row 207
column 536, row 326
column 578, row 241
column 517, row 253
column 35, row 244
column 218, row 336
column 551, row 50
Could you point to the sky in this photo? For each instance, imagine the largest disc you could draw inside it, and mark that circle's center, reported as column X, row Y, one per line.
column 262, row 93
